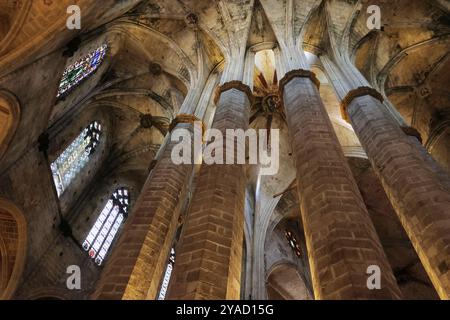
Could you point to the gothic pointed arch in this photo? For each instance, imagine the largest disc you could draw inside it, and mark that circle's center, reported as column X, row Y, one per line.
column 285, row 283
column 48, row 293
column 9, row 119
column 13, row 243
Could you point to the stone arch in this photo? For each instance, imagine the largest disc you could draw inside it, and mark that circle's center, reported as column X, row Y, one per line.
column 9, row 119
column 48, row 293
column 284, row 282
column 287, row 275
column 13, row 243
column 12, row 19
column 438, row 144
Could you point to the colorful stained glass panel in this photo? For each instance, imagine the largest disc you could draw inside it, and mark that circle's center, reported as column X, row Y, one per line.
column 80, row 70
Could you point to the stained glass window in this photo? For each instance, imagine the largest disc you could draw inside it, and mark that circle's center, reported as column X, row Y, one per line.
column 80, row 70
column 102, row 234
column 293, row 243
column 167, row 276
column 75, row 156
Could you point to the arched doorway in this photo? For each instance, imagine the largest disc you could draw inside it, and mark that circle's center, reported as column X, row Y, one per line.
column 12, row 248
column 9, row 119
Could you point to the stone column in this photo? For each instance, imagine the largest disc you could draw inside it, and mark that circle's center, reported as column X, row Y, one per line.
column 138, row 261
column 414, row 183
column 209, row 255
column 341, row 239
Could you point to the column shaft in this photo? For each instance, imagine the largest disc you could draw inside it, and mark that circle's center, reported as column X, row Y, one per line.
column 341, row 239
column 417, row 190
column 209, row 255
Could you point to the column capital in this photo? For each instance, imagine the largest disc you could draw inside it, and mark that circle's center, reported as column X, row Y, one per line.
column 298, row 73
column 356, row 93
column 185, row 118
column 410, row 131
column 234, row 84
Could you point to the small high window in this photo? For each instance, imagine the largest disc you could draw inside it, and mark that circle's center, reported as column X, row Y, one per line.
column 80, row 70
column 293, row 243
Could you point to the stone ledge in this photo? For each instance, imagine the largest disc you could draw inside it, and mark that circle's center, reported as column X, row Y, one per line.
column 235, row 84
column 299, row 73
column 356, row 93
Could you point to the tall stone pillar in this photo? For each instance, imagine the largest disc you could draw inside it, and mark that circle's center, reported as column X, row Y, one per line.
column 209, row 252
column 413, row 184
column 209, row 255
column 341, row 240
column 416, row 186
column 138, row 261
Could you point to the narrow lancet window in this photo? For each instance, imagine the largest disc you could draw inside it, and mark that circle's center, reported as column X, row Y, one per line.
column 105, row 229
column 69, row 163
column 167, row 276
